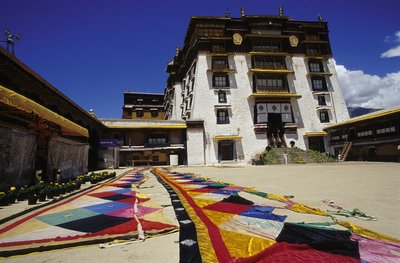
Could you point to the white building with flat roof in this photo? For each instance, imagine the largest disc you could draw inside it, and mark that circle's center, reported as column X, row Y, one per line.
column 246, row 83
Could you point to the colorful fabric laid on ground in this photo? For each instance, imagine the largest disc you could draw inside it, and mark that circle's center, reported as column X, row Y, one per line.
column 106, row 212
column 226, row 227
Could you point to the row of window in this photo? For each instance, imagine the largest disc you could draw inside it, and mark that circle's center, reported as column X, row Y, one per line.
column 366, row 133
column 151, row 139
column 268, row 81
column 265, row 63
column 257, row 45
column 140, row 113
column 264, row 110
column 380, row 131
column 157, row 141
column 386, row 130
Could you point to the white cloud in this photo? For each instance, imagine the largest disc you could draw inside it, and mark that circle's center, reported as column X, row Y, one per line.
column 395, row 51
column 370, row 91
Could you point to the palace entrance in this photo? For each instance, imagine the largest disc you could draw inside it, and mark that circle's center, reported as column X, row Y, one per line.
column 316, row 143
column 275, row 130
column 226, row 150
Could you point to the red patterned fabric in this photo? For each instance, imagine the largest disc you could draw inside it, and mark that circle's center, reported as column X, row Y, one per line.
column 227, row 207
column 204, row 190
column 285, row 252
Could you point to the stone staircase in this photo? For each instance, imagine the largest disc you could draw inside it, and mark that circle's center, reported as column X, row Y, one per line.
column 305, row 157
column 302, row 155
column 280, row 152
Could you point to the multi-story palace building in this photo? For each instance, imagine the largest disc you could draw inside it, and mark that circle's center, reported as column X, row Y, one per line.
column 143, row 106
column 245, row 83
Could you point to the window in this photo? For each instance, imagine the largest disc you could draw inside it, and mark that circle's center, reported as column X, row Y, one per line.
column 269, row 82
column 139, row 113
column 269, row 63
column 312, row 37
column 157, row 140
column 335, row 138
column 220, row 80
column 266, row 46
column 315, row 66
column 324, row 116
column 154, row 114
column 210, row 30
column 284, row 109
column 222, row 116
column 222, row 96
column 218, row 47
column 313, row 51
column 318, row 84
column 190, row 102
column 321, row 101
column 386, row 130
column 364, row 133
column 219, row 62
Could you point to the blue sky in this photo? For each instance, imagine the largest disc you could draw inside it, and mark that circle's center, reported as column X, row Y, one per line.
column 94, row 50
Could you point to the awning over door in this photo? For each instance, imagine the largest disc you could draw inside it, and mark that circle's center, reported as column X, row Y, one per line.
column 227, row 137
column 314, row 134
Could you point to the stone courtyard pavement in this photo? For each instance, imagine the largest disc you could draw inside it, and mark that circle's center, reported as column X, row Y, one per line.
column 373, row 188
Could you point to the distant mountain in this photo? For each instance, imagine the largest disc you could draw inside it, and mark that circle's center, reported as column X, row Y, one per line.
column 357, row 111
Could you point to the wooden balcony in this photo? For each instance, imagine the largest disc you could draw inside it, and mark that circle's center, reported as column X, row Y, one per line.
column 269, row 53
column 274, row 93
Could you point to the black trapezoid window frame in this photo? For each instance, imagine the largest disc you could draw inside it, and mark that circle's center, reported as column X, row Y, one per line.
column 220, row 80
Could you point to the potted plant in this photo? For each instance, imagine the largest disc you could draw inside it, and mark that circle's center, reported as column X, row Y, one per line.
column 3, row 199
column 42, row 195
column 50, row 190
column 62, row 188
column 12, row 195
column 78, row 184
column 93, row 179
column 32, row 199
column 22, row 193
column 57, row 191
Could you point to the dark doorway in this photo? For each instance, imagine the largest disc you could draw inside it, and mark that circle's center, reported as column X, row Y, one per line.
column 274, row 122
column 275, row 130
column 225, row 149
column 316, row 144
column 352, row 134
column 372, row 154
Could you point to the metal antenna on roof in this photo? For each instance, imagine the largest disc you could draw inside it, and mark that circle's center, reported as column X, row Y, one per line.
column 10, row 40
column 242, row 12
column 281, row 11
column 320, row 18
column 227, row 13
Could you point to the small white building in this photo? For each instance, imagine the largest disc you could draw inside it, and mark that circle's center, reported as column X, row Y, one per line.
column 246, row 83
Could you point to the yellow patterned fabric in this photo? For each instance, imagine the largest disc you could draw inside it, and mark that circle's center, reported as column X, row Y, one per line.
column 243, row 245
column 300, row 208
column 366, row 232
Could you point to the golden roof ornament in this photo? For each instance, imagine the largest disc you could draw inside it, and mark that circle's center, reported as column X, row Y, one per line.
column 294, row 41
column 281, row 11
column 237, row 39
column 227, row 13
column 242, row 13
